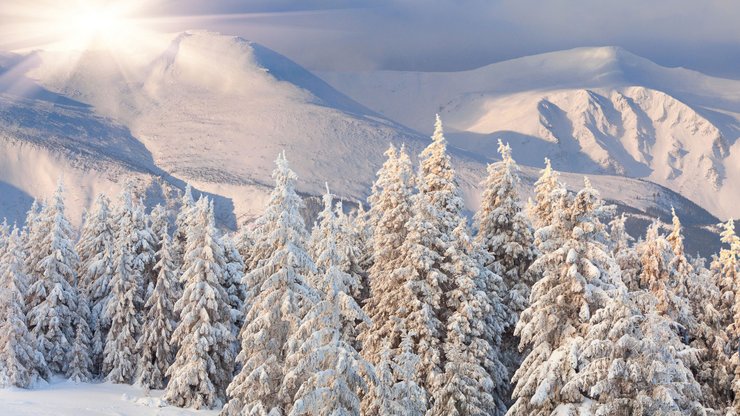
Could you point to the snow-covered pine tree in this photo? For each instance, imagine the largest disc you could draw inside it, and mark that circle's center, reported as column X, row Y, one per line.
column 726, row 268
column 80, row 357
column 53, row 294
column 183, row 220
column 145, row 249
column 20, row 363
column 204, row 362
column 154, row 346
column 33, row 236
column 467, row 387
column 330, row 231
column 577, row 271
column 396, row 391
column 505, row 233
column 545, row 202
column 656, row 257
column 633, row 363
column 123, row 309
column 352, row 244
column 625, row 253
column 324, row 373
column 278, row 299
column 704, row 330
column 390, row 210
column 505, row 238
column 235, row 289
column 95, row 249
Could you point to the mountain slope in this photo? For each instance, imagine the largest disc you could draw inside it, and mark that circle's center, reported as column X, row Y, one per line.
column 215, row 111
column 590, row 110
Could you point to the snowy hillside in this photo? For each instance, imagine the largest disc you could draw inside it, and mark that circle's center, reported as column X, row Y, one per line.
column 215, row 110
column 591, row 110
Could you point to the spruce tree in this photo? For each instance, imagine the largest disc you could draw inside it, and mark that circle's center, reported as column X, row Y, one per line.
column 204, row 362
column 53, row 295
column 577, row 271
column 21, row 365
column 123, row 309
column 278, row 299
column 467, row 387
column 235, row 289
column 633, row 363
column 80, row 355
column 624, row 253
column 506, row 240
column 157, row 353
column 96, row 250
column 390, row 210
column 323, row 368
column 545, row 203
column 395, row 391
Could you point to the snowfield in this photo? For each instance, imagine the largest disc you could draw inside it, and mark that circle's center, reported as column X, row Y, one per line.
column 62, row 397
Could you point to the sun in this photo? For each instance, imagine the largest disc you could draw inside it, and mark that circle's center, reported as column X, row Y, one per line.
column 74, row 24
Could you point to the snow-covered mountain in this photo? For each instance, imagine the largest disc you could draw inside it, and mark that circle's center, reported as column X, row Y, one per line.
column 590, row 110
column 215, row 111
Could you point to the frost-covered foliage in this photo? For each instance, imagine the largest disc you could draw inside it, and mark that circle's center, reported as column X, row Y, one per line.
column 278, row 300
column 96, row 250
column 21, row 365
column 505, row 239
column 577, row 271
column 53, row 297
column 154, row 346
column 232, row 283
column 204, row 362
column 80, row 362
column 144, row 248
column 505, row 233
column 656, row 258
column 182, row 222
column 547, row 192
column 396, row 391
column 726, row 269
column 390, row 209
column 472, row 370
column 624, row 252
column 323, row 368
column 634, row 363
column 123, row 308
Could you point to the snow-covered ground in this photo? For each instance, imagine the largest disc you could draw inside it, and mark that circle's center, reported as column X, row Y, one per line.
column 62, row 398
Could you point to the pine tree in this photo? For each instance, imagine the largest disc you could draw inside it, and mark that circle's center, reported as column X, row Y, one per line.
column 95, row 248
column 467, row 387
column 624, row 253
column 52, row 295
column 233, row 276
column 182, row 223
column 123, row 307
column 577, row 272
column 80, row 357
column 545, row 203
column 278, row 300
column 396, row 392
column 204, row 362
column 634, row 363
column 157, row 353
column 352, row 245
column 144, row 249
column 727, row 275
column 322, row 366
column 505, row 237
column 21, row 365
column 390, row 210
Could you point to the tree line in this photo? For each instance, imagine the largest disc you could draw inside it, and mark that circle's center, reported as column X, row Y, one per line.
column 540, row 307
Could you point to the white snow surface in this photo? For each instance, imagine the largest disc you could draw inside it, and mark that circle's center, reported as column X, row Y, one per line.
column 590, row 110
column 65, row 398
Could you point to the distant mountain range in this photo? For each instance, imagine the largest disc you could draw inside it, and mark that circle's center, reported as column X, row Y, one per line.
column 215, row 110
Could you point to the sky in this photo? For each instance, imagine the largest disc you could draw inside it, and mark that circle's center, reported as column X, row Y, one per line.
column 449, row 35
